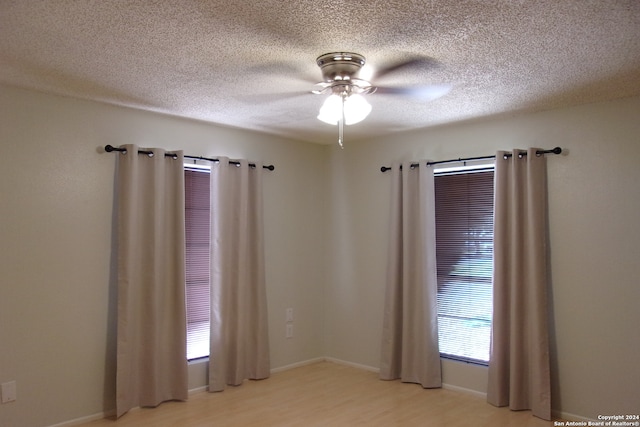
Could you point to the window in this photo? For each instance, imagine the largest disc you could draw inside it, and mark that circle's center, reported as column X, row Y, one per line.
column 464, row 251
column 197, row 226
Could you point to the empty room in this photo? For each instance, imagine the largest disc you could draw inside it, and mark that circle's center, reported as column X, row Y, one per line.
column 314, row 213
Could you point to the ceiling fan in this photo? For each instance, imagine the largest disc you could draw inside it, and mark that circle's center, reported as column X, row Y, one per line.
column 346, row 104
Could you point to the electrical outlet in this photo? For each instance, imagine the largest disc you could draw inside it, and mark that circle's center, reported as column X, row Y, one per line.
column 8, row 392
column 289, row 331
column 289, row 314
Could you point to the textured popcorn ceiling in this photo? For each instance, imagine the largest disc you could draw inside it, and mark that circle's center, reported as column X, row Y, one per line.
column 251, row 64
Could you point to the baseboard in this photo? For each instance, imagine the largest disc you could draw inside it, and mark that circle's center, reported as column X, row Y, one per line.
column 458, row 389
column 561, row 415
column 555, row 414
column 372, row 369
column 353, row 365
column 464, row 390
column 298, row 364
column 81, row 420
column 198, row 390
column 273, row 371
column 324, row 359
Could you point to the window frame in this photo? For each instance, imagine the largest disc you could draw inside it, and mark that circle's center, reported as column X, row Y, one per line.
column 441, row 266
column 195, row 309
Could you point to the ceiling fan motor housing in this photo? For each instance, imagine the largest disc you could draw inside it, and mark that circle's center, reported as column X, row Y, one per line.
column 338, row 66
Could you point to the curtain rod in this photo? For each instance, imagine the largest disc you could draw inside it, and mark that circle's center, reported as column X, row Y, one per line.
column 110, row 148
column 556, row 150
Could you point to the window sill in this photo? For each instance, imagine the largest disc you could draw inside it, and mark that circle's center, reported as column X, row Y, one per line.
column 464, row 360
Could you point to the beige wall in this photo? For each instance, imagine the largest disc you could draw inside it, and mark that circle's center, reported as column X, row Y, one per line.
column 594, row 209
column 326, row 220
column 56, row 314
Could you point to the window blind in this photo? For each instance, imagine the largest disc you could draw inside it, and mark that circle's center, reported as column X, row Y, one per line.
column 464, row 252
column 197, row 226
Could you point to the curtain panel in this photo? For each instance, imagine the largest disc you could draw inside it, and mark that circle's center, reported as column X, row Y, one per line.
column 151, row 318
column 410, row 330
column 519, row 372
column 239, row 329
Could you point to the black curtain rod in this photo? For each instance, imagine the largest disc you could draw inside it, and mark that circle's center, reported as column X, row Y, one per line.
column 556, row 150
column 110, row 148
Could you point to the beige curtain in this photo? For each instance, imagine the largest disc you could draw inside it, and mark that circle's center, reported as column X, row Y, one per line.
column 239, row 334
column 151, row 349
column 519, row 374
column 410, row 330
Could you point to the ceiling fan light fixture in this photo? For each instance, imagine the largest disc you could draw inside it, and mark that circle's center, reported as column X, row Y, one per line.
column 356, row 109
column 345, row 84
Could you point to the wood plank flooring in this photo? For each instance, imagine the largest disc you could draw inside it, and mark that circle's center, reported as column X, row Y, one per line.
column 326, row 394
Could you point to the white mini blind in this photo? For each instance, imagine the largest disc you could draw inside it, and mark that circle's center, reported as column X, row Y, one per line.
column 464, row 251
column 197, row 226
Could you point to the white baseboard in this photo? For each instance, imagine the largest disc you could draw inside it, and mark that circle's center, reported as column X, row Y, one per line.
column 81, row 420
column 464, row 390
column 353, row 365
column 198, row 390
column 555, row 414
column 377, row 370
column 297, row 364
column 569, row 417
column 468, row 391
column 273, row 371
column 324, row 359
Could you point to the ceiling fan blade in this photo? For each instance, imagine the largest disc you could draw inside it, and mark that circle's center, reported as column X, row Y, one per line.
column 422, row 93
column 422, row 62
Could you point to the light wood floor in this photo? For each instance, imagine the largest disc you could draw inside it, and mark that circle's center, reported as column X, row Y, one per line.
column 326, row 394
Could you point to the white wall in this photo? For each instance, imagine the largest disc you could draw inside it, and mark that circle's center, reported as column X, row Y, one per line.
column 56, row 306
column 594, row 209
column 326, row 232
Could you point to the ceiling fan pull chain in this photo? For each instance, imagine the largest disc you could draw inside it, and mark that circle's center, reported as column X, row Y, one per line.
column 341, row 122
